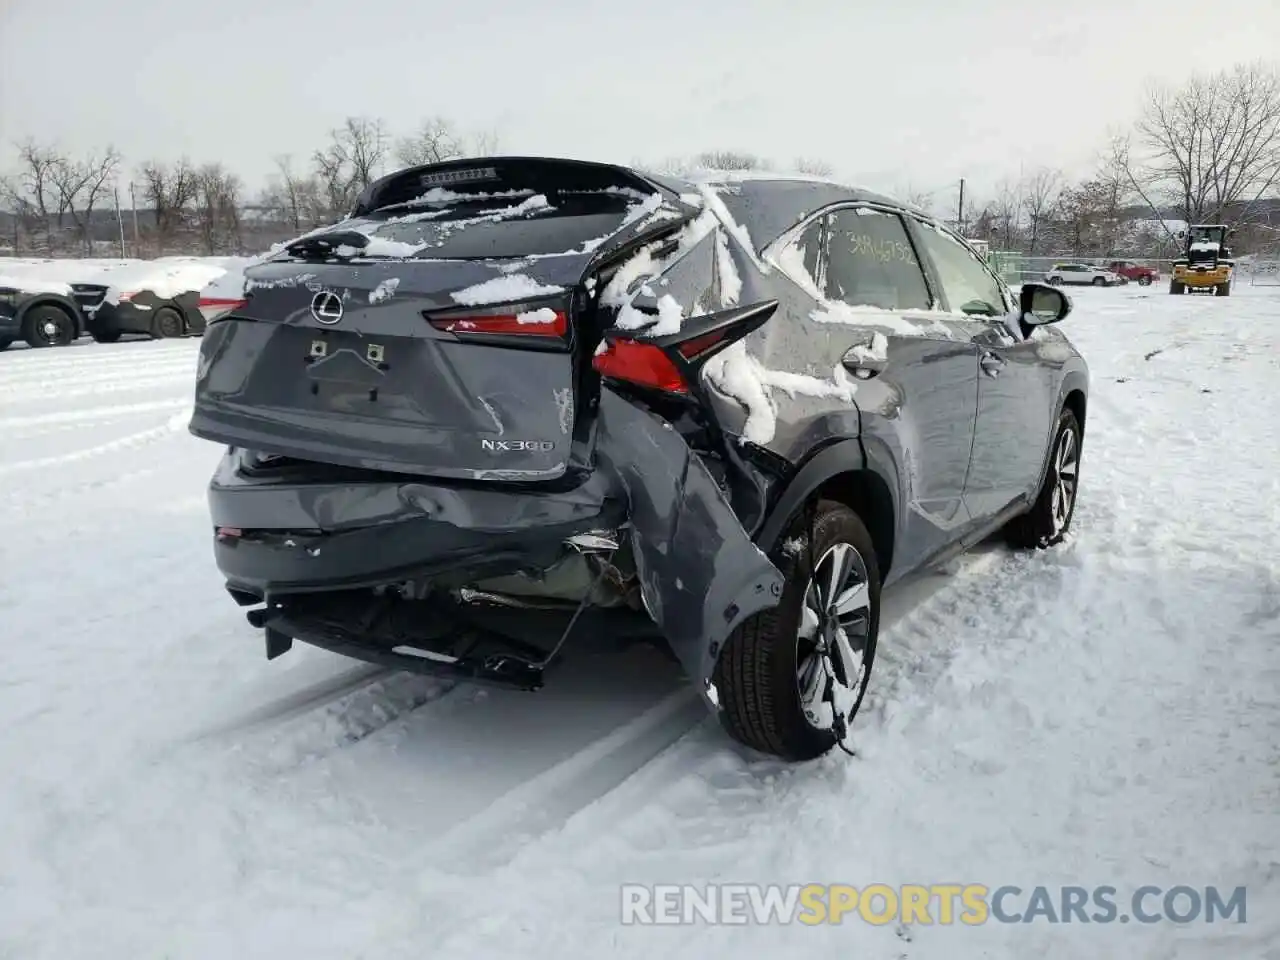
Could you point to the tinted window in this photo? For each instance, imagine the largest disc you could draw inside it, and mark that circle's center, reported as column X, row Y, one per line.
column 870, row 262
column 502, row 226
column 967, row 284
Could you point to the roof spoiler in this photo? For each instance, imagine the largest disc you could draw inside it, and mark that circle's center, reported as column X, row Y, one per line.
column 498, row 175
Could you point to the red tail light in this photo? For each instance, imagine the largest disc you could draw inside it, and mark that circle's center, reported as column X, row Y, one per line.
column 640, row 363
column 214, row 308
column 543, row 322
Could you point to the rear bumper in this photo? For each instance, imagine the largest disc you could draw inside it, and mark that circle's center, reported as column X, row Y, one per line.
column 10, row 328
column 306, row 537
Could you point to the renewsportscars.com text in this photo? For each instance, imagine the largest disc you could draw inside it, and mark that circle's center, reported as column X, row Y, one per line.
column 969, row 904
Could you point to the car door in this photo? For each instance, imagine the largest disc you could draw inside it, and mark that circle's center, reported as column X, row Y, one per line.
column 1015, row 383
column 915, row 371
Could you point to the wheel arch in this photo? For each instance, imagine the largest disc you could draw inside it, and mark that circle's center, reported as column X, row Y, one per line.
column 840, row 471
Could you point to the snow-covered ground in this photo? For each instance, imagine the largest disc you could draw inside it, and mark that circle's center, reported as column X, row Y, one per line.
column 1103, row 713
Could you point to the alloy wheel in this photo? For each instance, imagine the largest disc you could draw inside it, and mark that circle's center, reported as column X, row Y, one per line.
column 832, row 640
column 1066, row 463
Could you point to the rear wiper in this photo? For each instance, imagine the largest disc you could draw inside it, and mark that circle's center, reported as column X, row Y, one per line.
column 329, row 245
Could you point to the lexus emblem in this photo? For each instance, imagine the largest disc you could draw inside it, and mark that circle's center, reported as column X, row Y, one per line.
column 326, row 307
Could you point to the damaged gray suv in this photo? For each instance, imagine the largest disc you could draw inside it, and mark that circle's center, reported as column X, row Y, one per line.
column 514, row 407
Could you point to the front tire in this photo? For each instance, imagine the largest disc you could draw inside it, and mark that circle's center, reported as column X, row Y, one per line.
column 1176, row 287
column 1099, row 281
column 48, row 326
column 5, row 342
column 1049, row 518
column 790, row 679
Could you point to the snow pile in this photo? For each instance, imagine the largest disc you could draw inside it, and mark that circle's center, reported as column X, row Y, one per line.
column 512, row 286
column 35, row 285
column 737, row 374
column 929, row 322
column 542, row 315
column 166, row 277
column 384, row 291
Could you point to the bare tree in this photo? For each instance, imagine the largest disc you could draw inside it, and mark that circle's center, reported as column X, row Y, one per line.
column 170, row 188
column 216, row 210
column 729, row 160
column 1039, row 197
column 293, row 198
column 80, row 185
column 1006, row 208
column 813, row 167
column 1213, row 145
column 911, row 195
column 435, row 140
column 351, row 160
column 32, row 191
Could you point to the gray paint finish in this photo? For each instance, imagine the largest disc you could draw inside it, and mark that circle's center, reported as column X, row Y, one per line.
column 954, row 419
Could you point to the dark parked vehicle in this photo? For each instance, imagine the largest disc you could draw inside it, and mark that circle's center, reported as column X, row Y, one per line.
column 141, row 312
column 42, row 314
column 514, row 405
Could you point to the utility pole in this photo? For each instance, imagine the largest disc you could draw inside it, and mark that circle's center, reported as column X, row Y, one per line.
column 119, row 219
column 960, row 212
column 133, row 202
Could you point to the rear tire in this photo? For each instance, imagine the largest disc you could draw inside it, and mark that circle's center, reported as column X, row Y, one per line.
column 1222, row 290
column 5, row 344
column 1099, row 281
column 48, row 326
column 167, row 324
column 1144, row 281
column 771, row 657
column 1049, row 518
column 1176, row 287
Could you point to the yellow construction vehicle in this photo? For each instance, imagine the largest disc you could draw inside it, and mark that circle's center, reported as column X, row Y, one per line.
column 1206, row 265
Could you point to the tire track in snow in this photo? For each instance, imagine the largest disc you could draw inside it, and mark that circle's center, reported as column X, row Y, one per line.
column 616, row 777
column 132, row 442
column 85, row 419
column 174, row 383
column 593, row 795
column 38, row 376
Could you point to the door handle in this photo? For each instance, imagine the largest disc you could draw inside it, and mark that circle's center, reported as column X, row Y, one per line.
column 992, row 364
column 864, row 362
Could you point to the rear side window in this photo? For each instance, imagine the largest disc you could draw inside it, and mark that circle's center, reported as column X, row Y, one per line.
column 870, row 262
column 967, row 284
column 802, row 257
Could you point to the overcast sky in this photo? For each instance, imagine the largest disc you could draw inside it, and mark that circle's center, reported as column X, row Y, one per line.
column 898, row 92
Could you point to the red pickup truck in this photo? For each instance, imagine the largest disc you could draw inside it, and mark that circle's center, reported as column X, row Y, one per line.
column 1131, row 271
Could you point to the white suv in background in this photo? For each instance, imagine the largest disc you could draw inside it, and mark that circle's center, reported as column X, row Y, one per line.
column 1083, row 273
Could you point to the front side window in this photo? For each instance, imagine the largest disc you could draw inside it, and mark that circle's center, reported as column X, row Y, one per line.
column 871, row 263
column 968, row 285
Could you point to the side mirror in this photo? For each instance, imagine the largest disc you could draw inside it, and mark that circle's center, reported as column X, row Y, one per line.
column 1043, row 304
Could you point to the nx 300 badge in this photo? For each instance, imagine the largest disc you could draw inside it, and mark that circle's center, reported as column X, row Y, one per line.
column 512, row 445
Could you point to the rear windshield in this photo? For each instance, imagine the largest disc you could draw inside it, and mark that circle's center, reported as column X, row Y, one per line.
column 507, row 226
